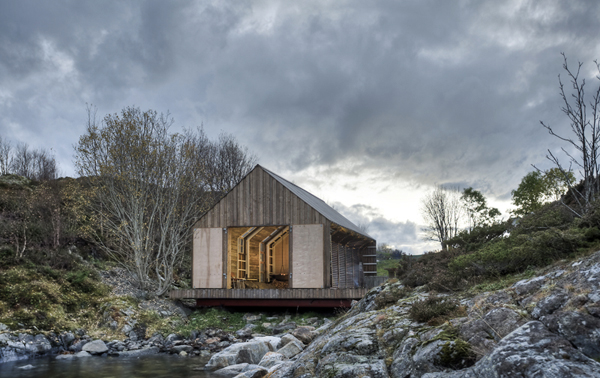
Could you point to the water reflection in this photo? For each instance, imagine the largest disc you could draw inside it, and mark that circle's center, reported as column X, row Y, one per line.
column 150, row 366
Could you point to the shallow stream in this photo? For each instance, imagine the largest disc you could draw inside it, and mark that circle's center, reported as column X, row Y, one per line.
column 156, row 366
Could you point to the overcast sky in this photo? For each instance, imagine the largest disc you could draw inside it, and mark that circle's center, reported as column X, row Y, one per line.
column 367, row 104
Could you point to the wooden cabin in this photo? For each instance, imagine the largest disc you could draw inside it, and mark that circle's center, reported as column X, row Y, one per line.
column 268, row 239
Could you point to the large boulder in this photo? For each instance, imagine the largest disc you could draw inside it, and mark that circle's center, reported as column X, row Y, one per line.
column 360, row 341
column 291, row 349
column 95, row 347
column 287, row 339
column 582, row 330
column 550, row 304
column 530, row 351
column 273, row 340
column 140, row 352
column 305, row 334
column 350, row 365
column 23, row 346
column 403, row 365
column 38, row 345
column 533, row 351
column 281, row 328
column 272, row 359
column 483, row 332
column 249, row 352
column 529, row 286
column 245, row 370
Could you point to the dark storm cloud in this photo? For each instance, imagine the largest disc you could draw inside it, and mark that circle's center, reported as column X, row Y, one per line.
column 427, row 92
column 440, row 94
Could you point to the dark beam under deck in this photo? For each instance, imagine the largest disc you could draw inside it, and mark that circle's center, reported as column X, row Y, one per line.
column 271, row 297
column 312, row 303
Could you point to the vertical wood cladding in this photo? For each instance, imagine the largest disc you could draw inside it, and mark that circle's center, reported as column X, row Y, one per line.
column 347, row 267
column 260, row 200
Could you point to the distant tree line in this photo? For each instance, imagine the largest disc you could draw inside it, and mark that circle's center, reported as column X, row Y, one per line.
column 386, row 252
column 447, row 212
column 35, row 164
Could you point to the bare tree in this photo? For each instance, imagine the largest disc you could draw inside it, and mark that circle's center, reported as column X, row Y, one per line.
column 43, row 166
column 5, row 156
column 22, row 162
column 585, row 125
column 150, row 187
column 36, row 164
column 442, row 212
column 228, row 163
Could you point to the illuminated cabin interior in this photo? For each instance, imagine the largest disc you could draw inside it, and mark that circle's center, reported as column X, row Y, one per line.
column 258, row 257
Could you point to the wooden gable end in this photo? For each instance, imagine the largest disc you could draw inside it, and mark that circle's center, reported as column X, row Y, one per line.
column 260, row 200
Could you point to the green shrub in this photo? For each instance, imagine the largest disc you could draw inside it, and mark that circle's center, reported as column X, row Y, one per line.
column 83, row 280
column 470, row 241
column 518, row 253
column 431, row 308
column 7, row 255
column 431, row 269
column 551, row 215
column 457, row 354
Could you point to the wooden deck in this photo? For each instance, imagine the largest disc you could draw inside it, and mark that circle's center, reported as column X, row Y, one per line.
column 272, row 297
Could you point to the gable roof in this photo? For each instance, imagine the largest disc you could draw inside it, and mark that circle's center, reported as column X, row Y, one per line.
column 316, row 203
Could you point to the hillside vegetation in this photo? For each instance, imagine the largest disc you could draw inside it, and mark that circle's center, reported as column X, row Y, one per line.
column 487, row 255
column 49, row 265
column 48, row 275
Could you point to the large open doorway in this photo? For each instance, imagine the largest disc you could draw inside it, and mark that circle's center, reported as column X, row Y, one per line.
column 258, row 257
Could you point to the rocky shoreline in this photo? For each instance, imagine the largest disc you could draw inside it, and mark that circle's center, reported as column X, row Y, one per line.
column 15, row 346
column 543, row 326
column 123, row 320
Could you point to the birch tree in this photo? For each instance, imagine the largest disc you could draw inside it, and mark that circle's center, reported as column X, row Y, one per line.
column 5, row 156
column 150, row 187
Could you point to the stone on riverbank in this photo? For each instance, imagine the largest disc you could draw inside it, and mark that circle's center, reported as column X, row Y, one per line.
column 140, row 352
column 272, row 359
column 244, row 370
column 23, row 346
column 249, row 352
column 95, row 347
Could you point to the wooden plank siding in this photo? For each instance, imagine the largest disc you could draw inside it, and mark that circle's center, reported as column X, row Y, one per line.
column 260, row 200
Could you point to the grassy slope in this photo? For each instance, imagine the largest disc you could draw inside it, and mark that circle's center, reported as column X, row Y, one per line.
column 492, row 257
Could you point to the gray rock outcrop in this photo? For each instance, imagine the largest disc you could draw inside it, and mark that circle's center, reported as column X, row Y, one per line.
column 24, row 346
column 249, row 352
column 530, row 351
column 547, row 326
